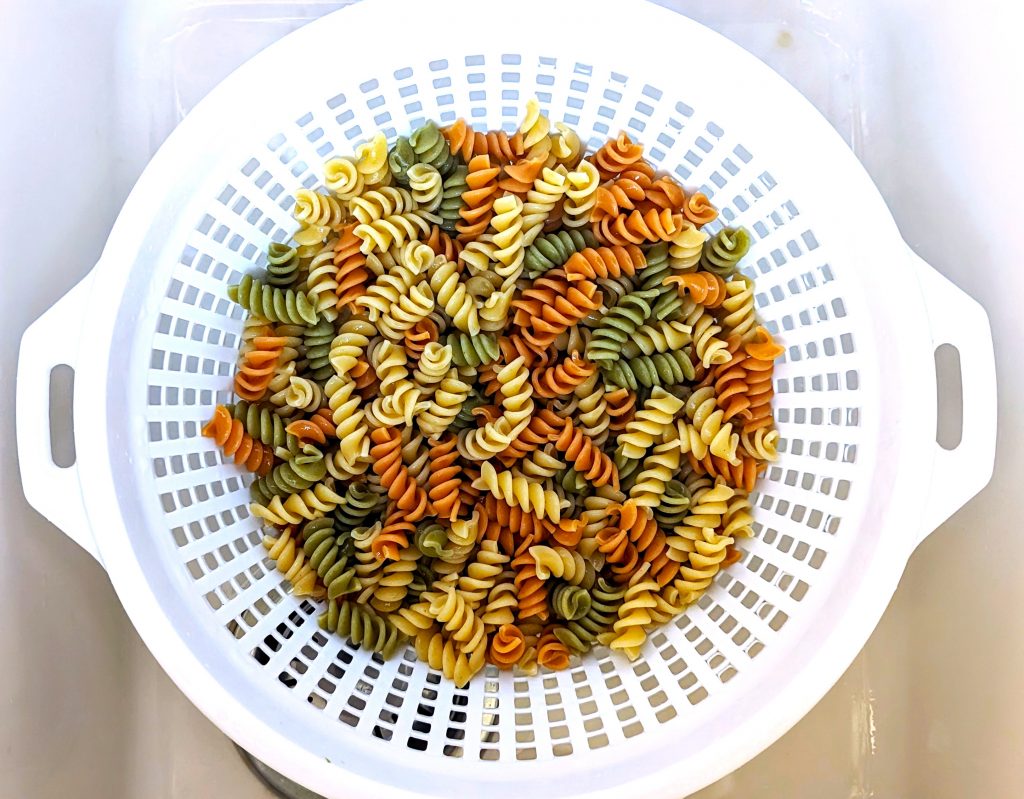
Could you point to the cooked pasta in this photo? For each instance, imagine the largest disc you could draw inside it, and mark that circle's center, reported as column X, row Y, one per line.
column 504, row 400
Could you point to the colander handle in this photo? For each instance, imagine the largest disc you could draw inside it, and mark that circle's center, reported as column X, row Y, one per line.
column 52, row 490
column 959, row 320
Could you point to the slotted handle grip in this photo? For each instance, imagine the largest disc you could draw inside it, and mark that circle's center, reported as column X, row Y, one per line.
column 53, row 490
column 959, row 320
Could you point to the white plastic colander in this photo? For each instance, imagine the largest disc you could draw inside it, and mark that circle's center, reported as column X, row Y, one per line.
column 860, row 480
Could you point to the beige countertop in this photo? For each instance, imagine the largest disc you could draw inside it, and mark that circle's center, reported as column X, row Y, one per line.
column 929, row 93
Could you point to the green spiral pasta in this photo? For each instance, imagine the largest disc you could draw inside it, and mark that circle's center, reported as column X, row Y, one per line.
column 317, row 340
column 432, row 148
column 660, row 369
column 430, row 539
column 273, row 304
column 580, row 635
column 423, row 577
column 282, row 265
column 652, row 276
column 329, row 559
column 473, row 350
column 359, row 503
column 570, row 602
column 619, row 325
column 464, row 418
column 451, row 199
column 400, row 158
column 261, row 422
column 362, row 626
column 293, row 475
column 675, row 501
column 554, row 249
column 572, row 481
column 723, row 251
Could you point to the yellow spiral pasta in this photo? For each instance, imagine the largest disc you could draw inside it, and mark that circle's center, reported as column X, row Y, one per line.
column 541, row 200
column 705, row 415
column 704, row 330
column 349, row 421
column 508, row 240
column 312, row 503
column 534, row 129
column 290, row 560
column 659, row 467
column 565, row 564
column 372, row 161
column 343, row 178
column 685, row 249
column 379, row 203
column 433, row 367
column 740, row 315
column 426, row 186
column 649, row 424
column 349, row 345
column 520, row 492
column 481, row 574
column 444, row 406
column 406, row 311
column 580, row 195
column 398, row 229
column 634, row 615
column 399, row 398
column 453, row 297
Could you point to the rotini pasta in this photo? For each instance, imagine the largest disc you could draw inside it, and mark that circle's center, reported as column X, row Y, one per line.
column 503, row 399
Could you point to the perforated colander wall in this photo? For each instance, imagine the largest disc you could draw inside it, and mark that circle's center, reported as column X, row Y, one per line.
column 605, row 699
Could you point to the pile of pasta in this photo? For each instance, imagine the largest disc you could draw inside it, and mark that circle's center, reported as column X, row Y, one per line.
column 503, row 399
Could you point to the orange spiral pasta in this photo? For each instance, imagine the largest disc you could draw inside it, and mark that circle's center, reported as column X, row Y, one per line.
column 648, row 539
column 444, row 481
column 353, row 273
column 619, row 155
column 507, row 646
column 420, row 335
column 587, row 458
column 698, row 209
column 518, row 178
column 760, row 365
column 552, row 653
column 666, row 193
column 386, row 454
column 730, row 382
column 308, row 431
column 594, row 262
column 257, row 367
column 530, row 589
column 743, row 474
column 706, row 288
column 637, row 227
column 619, row 552
column 478, row 198
column 515, row 346
column 625, row 193
column 497, row 144
column 562, row 378
column 443, row 244
column 621, row 408
column 552, row 305
column 365, row 377
column 544, row 427
column 393, row 536
column 229, row 434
